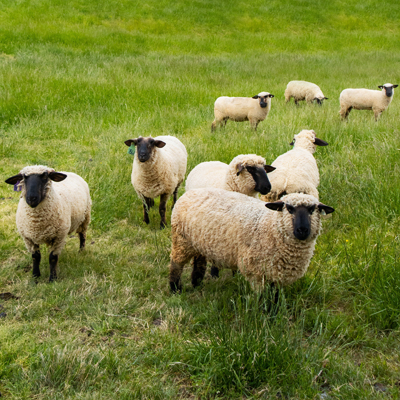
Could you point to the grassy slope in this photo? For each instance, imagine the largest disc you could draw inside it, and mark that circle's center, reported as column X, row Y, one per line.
column 79, row 79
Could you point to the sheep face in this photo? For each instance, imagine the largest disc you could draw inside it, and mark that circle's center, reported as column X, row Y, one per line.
column 388, row 88
column 145, row 146
column 300, row 216
column 320, row 100
column 307, row 140
column 259, row 175
column 263, row 98
column 35, row 184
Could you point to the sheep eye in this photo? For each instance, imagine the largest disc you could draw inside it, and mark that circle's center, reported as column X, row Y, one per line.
column 311, row 209
column 290, row 209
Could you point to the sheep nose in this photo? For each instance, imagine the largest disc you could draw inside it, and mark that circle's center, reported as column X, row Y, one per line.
column 302, row 232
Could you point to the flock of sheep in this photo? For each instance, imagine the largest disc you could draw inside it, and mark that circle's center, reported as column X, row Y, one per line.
column 220, row 219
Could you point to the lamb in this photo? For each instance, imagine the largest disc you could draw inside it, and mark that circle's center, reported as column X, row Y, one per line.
column 159, row 167
column 52, row 206
column 303, row 90
column 253, row 109
column 271, row 242
column 245, row 174
column 366, row 99
column 296, row 170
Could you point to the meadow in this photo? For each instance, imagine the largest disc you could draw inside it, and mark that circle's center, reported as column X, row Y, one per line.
column 77, row 79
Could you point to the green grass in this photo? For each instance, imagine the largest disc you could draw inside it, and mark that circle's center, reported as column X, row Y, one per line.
column 77, row 79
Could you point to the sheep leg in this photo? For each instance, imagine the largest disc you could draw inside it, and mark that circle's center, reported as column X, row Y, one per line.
column 213, row 126
column 199, row 270
column 82, row 240
column 36, row 257
column 147, row 204
column 53, row 260
column 377, row 114
column 254, row 123
column 175, row 196
column 214, row 271
column 162, row 210
column 344, row 112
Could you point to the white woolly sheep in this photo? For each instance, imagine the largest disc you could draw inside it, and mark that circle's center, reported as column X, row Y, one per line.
column 303, row 90
column 253, row 109
column 245, row 174
column 296, row 170
column 366, row 99
column 159, row 167
column 52, row 206
column 271, row 242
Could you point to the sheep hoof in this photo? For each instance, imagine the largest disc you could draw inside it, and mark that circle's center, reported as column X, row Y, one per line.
column 175, row 287
column 214, row 272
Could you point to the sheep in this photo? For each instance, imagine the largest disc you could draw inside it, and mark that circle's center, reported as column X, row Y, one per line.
column 271, row 242
column 159, row 167
column 303, row 90
column 253, row 109
column 296, row 170
column 366, row 99
column 245, row 174
column 52, row 205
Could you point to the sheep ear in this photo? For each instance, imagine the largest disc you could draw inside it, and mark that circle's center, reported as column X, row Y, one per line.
column 130, row 141
column 380, row 87
column 320, row 142
column 395, row 86
column 291, row 143
column 325, row 209
column 239, row 169
column 57, row 176
column 14, row 179
column 271, row 95
column 326, row 98
column 276, row 206
column 255, row 97
column 269, row 168
column 159, row 143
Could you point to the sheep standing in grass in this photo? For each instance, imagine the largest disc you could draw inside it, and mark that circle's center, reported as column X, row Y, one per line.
column 271, row 242
column 159, row 167
column 253, row 109
column 52, row 206
column 366, row 99
column 303, row 90
column 245, row 174
column 296, row 170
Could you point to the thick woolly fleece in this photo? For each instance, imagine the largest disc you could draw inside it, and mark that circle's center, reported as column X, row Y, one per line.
column 303, row 90
column 64, row 210
column 296, row 170
column 364, row 99
column 238, row 232
column 241, row 109
column 163, row 172
column 223, row 176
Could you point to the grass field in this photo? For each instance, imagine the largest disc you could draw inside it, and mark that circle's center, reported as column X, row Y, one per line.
column 77, row 79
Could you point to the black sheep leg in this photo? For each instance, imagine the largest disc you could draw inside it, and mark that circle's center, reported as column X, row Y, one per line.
column 36, row 257
column 199, row 270
column 53, row 260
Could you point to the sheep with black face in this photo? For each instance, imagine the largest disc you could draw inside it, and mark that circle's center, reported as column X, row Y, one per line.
column 303, row 90
column 159, row 167
column 366, row 99
column 267, row 243
column 253, row 109
column 52, row 206
column 246, row 173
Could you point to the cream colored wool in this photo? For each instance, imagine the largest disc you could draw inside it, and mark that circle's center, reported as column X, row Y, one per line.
column 65, row 209
column 240, row 109
column 238, row 232
column 223, row 176
column 303, row 90
column 296, row 170
column 364, row 99
column 163, row 172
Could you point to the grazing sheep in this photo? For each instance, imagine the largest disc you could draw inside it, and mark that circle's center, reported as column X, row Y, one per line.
column 366, row 99
column 159, row 167
column 303, row 90
column 245, row 174
column 296, row 170
column 253, row 109
column 271, row 242
column 52, row 206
